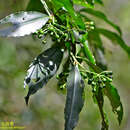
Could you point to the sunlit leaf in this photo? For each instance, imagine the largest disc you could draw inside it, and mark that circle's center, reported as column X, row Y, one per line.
column 42, row 69
column 112, row 93
column 68, row 5
column 23, row 23
column 74, row 99
column 102, row 16
column 115, row 38
column 83, row 3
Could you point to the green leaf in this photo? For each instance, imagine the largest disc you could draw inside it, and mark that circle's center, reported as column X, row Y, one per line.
column 91, row 2
column 91, row 65
column 100, row 59
column 68, row 5
column 115, row 38
column 111, row 92
column 83, row 3
column 44, row 66
column 23, row 23
column 74, row 99
column 35, row 5
column 102, row 16
column 98, row 96
column 88, row 52
column 96, row 42
column 99, row 1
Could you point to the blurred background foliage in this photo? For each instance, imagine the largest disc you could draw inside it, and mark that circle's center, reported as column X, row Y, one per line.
column 46, row 109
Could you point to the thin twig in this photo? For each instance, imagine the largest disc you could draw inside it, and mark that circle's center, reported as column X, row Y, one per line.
column 46, row 7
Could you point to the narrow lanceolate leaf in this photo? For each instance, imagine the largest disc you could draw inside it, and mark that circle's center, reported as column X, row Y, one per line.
column 102, row 16
column 112, row 93
column 22, row 23
column 115, row 38
column 75, row 99
column 100, row 59
column 42, row 69
column 98, row 95
column 95, row 40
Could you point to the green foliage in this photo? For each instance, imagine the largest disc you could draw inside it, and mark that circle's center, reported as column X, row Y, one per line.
column 70, row 31
column 35, row 5
column 115, row 38
column 111, row 92
column 102, row 16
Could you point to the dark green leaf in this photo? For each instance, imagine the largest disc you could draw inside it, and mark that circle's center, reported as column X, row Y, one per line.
column 68, row 5
column 98, row 96
column 99, row 1
column 91, row 65
column 111, row 92
column 100, row 59
column 102, row 16
column 115, row 38
column 35, row 5
column 42, row 69
column 23, row 23
column 75, row 99
column 91, row 2
column 96, row 42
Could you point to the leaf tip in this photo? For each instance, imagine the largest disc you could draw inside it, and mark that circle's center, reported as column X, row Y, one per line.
column 26, row 100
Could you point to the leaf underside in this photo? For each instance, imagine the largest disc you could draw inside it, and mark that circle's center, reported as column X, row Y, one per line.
column 74, row 99
column 23, row 23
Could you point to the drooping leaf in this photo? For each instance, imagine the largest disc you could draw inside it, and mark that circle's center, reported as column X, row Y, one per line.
column 42, row 69
column 111, row 92
column 74, row 99
column 96, row 42
column 23, row 23
column 98, row 95
column 102, row 16
column 100, row 59
column 115, row 38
